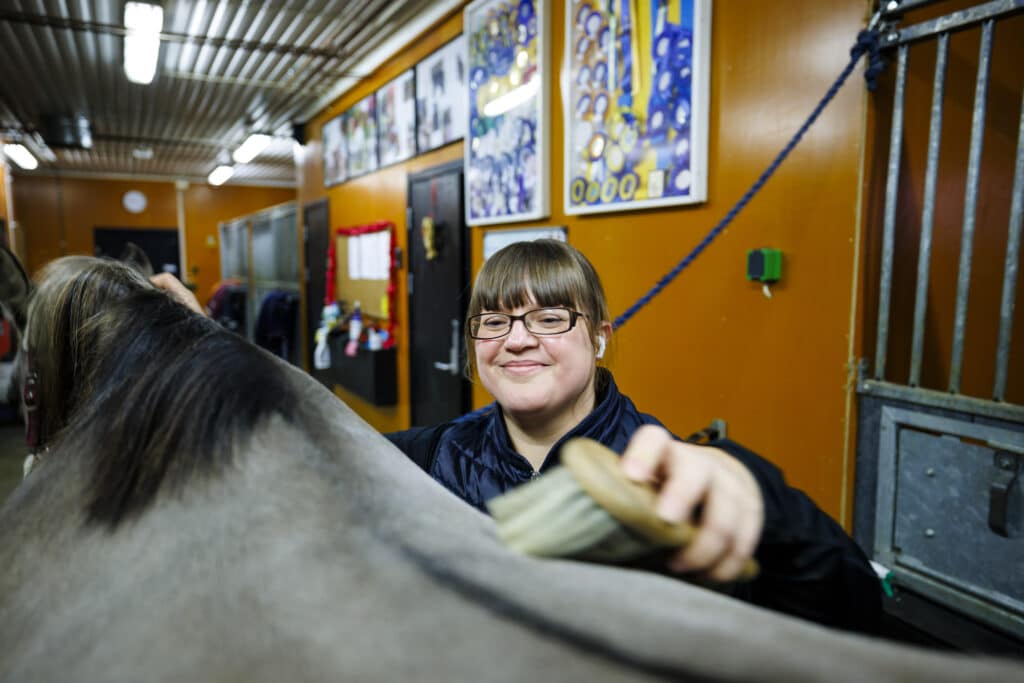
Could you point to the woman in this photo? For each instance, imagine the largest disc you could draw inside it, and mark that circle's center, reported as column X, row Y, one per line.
column 537, row 325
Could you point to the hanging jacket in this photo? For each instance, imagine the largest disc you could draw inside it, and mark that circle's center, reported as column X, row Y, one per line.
column 275, row 324
column 810, row 567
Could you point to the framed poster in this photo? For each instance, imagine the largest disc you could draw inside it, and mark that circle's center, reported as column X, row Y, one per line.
column 507, row 156
column 361, row 136
column 636, row 103
column 335, row 158
column 396, row 119
column 441, row 96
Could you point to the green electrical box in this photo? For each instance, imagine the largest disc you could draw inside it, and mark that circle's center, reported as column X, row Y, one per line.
column 764, row 265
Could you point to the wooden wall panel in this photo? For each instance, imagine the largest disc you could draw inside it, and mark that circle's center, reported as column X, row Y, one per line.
column 205, row 207
column 57, row 216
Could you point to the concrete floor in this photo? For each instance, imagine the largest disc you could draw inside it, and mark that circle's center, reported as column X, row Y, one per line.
column 12, row 456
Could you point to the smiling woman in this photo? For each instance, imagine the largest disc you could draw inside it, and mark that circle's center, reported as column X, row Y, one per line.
column 538, row 324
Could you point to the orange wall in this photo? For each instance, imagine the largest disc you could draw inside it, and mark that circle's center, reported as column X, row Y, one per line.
column 3, row 198
column 378, row 196
column 205, row 207
column 711, row 345
column 57, row 216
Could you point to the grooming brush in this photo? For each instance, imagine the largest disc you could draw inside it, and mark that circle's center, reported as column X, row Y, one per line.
column 589, row 510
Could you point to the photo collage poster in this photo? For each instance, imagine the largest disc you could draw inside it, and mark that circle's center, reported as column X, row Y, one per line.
column 441, row 96
column 506, row 151
column 335, row 158
column 396, row 119
column 636, row 112
column 361, row 137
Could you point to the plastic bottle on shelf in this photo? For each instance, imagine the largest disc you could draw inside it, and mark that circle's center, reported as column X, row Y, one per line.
column 355, row 330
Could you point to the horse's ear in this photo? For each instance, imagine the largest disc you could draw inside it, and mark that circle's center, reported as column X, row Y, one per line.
column 14, row 288
column 133, row 256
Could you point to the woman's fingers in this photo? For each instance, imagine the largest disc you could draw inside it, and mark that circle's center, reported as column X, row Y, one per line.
column 687, row 477
column 177, row 290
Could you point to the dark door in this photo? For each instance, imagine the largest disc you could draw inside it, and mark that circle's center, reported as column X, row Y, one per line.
column 160, row 245
column 316, row 237
column 439, row 275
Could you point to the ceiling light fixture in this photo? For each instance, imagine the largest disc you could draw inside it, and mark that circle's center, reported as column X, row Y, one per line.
column 220, row 175
column 20, row 155
column 251, row 148
column 143, row 21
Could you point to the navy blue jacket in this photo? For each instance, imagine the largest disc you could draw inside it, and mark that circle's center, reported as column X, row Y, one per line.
column 810, row 567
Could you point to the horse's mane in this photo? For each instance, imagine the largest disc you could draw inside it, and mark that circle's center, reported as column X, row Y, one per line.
column 158, row 395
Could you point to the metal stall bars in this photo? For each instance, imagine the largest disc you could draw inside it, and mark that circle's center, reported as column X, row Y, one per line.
column 938, row 498
column 274, row 293
column 261, row 251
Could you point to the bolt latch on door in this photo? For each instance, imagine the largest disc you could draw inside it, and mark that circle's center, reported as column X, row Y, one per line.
column 1007, row 467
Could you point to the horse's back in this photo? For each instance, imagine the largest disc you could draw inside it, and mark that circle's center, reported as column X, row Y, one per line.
column 321, row 553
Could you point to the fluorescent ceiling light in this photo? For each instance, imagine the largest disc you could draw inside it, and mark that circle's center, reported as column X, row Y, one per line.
column 20, row 155
column 513, row 98
column 219, row 175
column 143, row 22
column 250, row 149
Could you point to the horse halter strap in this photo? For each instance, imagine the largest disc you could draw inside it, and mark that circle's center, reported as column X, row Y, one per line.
column 30, row 400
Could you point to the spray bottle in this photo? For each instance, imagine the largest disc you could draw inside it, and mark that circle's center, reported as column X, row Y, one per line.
column 355, row 329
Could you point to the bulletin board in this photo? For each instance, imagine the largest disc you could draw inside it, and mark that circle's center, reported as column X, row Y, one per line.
column 375, row 285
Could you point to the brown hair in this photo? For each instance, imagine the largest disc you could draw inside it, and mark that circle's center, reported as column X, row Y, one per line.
column 547, row 272
column 71, row 291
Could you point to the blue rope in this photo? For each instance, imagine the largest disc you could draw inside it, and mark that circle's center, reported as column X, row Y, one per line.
column 867, row 42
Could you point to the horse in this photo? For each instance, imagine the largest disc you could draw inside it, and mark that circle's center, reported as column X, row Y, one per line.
column 200, row 510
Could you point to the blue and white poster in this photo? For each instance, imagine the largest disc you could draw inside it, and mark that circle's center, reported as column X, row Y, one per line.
column 441, row 96
column 507, row 142
column 335, row 153
column 396, row 119
column 636, row 113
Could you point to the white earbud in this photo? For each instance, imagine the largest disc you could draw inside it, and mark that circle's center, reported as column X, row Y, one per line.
column 600, row 346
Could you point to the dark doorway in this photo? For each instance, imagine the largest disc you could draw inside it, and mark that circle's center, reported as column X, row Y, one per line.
column 160, row 245
column 316, row 237
column 438, row 282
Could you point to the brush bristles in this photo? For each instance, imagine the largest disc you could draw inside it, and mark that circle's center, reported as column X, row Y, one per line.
column 552, row 516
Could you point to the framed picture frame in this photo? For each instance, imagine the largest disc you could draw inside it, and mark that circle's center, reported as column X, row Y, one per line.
column 441, row 96
column 361, row 136
column 507, row 157
column 636, row 104
column 335, row 156
column 396, row 119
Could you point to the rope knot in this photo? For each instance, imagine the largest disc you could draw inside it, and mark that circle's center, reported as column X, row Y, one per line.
column 867, row 42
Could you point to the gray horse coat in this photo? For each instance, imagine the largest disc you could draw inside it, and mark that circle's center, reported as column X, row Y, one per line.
column 303, row 547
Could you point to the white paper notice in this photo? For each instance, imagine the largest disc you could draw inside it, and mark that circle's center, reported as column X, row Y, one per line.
column 355, row 269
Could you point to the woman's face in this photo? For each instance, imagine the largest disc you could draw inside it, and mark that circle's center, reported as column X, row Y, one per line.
column 546, row 377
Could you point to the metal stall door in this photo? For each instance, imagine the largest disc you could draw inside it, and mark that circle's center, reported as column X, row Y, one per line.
column 438, row 282
column 234, row 265
column 939, row 500
column 316, row 238
column 274, row 294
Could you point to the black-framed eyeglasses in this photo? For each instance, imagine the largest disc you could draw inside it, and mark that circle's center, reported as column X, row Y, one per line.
column 538, row 321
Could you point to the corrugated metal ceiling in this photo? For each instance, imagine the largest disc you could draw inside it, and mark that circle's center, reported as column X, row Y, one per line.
column 226, row 68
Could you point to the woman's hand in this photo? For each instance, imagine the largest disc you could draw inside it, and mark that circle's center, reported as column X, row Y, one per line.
column 178, row 291
column 686, row 476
